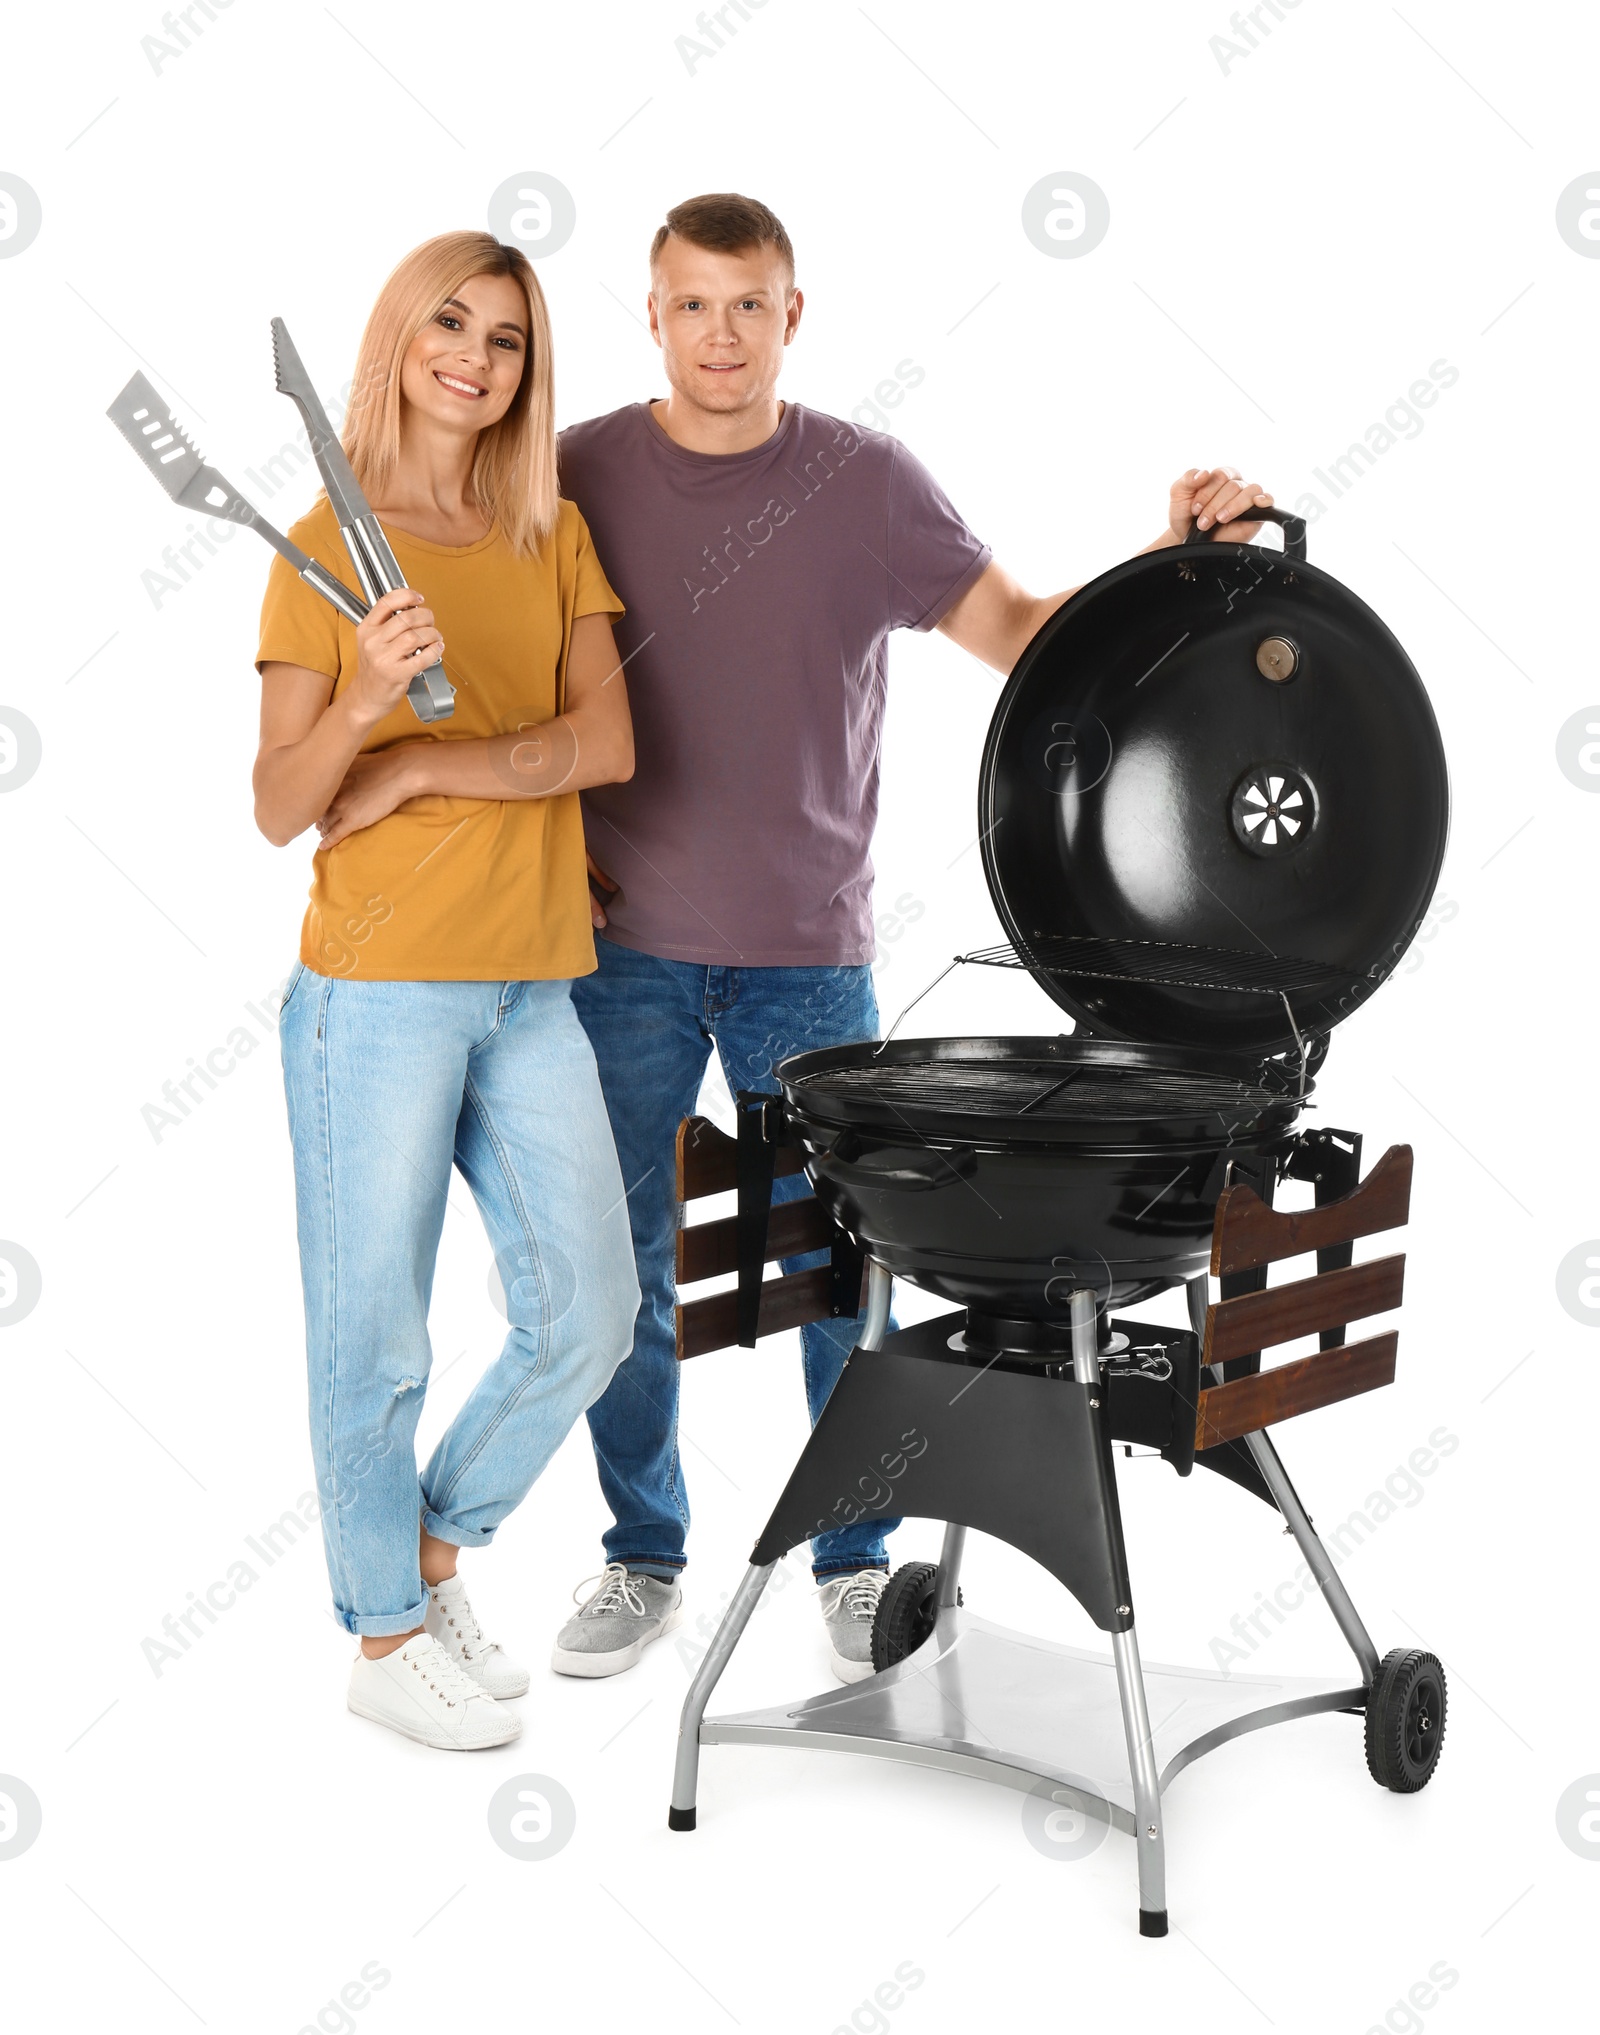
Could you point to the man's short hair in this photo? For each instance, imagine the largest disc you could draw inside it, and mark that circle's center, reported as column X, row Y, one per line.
column 723, row 222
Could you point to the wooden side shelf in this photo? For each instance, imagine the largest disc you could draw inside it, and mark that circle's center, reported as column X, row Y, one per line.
column 1247, row 1237
column 708, row 1164
column 1248, row 1234
column 1257, row 1321
column 1228, row 1411
column 708, row 1160
column 711, row 1248
column 789, row 1302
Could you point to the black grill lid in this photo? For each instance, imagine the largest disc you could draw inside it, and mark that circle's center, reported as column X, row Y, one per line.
column 1213, row 801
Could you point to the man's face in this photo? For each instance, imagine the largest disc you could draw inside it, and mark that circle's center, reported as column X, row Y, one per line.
column 722, row 322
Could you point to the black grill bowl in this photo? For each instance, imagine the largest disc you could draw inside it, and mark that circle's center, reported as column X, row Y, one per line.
column 957, row 1167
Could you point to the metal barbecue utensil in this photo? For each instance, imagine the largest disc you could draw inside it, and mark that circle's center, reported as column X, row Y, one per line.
column 431, row 694
column 167, row 450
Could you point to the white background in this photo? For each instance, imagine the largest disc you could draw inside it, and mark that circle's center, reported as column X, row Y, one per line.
column 1294, row 239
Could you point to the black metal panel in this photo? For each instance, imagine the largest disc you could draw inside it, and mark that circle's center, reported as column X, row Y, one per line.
column 1012, row 1450
column 1152, row 1390
column 1231, row 1459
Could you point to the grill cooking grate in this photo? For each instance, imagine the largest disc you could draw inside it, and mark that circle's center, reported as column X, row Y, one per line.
column 1042, row 1090
column 1166, row 961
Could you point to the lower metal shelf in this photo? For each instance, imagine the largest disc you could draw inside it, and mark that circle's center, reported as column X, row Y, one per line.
column 1001, row 1706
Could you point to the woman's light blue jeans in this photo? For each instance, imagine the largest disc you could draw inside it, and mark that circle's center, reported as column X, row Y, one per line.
column 390, row 1084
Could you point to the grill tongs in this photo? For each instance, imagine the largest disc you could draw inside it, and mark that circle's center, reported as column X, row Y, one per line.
column 431, row 694
column 169, row 452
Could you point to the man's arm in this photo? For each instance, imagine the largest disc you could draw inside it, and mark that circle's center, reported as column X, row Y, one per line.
column 996, row 618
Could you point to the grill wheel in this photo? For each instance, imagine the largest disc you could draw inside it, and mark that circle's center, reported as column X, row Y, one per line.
column 1405, row 1720
column 906, row 1613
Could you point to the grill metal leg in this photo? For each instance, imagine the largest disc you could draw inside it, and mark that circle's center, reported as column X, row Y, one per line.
column 1148, row 1832
column 1287, row 1499
column 1085, row 1336
column 880, row 1291
column 686, row 1772
column 1317, row 1558
column 1198, row 1290
column 955, row 1546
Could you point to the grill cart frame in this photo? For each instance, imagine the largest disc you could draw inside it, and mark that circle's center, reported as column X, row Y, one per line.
column 1019, row 1444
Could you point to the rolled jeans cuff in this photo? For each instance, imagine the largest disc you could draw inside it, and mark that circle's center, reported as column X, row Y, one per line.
column 663, row 1567
column 458, row 1536
column 384, row 1624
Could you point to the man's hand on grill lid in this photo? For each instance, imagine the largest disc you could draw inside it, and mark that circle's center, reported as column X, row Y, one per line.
column 1218, row 500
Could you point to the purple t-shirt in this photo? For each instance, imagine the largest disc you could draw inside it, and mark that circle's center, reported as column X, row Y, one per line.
column 761, row 587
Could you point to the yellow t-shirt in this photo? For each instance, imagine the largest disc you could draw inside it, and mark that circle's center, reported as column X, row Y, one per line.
column 453, row 889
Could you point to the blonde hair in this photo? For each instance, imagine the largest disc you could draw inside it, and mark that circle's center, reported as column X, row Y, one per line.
column 514, row 464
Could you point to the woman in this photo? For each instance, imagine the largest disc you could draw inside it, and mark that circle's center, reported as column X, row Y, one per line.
column 429, row 1020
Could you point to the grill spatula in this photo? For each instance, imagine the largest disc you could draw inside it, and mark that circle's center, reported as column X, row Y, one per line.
column 166, row 449
column 431, row 694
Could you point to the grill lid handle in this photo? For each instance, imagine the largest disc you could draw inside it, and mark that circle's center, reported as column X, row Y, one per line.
column 1293, row 527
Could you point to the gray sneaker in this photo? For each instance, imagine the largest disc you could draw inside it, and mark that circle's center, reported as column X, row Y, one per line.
column 849, row 1604
column 616, row 1622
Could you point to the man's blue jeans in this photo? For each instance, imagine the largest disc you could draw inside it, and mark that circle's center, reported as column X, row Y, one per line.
column 653, row 1024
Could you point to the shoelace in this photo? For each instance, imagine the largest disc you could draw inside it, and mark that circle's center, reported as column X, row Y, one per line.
column 617, row 1591
column 464, row 1624
column 444, row 1674
column 856, row 1595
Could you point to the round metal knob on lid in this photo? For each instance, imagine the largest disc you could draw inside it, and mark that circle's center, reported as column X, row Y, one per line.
column 1277, row 658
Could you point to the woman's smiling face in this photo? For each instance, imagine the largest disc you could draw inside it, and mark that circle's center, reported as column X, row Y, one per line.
column 463, row 368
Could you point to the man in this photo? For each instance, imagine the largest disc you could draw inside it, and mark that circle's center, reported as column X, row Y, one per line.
column 764, row 552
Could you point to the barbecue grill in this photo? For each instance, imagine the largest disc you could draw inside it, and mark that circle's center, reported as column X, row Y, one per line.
column 1213, row 807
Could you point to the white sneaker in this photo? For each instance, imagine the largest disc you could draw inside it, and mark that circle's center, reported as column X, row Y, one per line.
column 419, row 1691
column 849, row 1604
column 449, row 1618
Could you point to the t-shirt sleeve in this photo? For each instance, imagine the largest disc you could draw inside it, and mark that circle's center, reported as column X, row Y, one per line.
column 593, row 593
column 933, row 557
column 297, row 625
